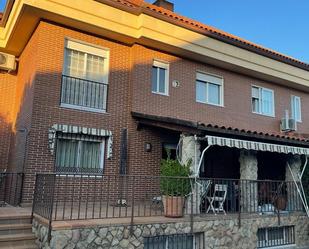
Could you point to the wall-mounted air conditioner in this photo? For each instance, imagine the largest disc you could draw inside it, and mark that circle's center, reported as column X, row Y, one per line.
column 7, row 62
column 288, row 124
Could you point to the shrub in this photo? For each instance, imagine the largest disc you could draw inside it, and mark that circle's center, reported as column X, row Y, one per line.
column 174, row 180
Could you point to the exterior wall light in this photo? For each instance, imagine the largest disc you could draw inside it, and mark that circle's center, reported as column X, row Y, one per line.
column 148, row 147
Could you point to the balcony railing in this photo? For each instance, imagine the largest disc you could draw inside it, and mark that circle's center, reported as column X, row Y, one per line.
column 83, row 93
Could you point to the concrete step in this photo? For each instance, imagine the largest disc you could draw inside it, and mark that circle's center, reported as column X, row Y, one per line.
column 26, row 240
column 7, row 229
column 17, row 219
column 29, row 246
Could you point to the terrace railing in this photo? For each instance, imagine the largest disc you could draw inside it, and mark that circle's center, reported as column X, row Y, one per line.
column 78, row 196
column 11, row 188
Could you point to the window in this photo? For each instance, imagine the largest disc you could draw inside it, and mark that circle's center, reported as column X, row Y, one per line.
column 169, row 150
column 176, row 241
column 209, row 89
column 275, row 236
column 296, row 108
column 79, row 153
column 85, row 77
column 160, row 78
column 263, row 101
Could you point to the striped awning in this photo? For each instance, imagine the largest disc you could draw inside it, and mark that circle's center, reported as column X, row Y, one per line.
column 77, row 132
column 258, row 146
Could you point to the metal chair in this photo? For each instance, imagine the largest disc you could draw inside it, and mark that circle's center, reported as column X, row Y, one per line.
column 217, row 201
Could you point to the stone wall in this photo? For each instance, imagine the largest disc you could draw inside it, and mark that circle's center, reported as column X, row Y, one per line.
column 219, row 234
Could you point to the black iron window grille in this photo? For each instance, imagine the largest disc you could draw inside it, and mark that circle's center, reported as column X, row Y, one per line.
column 275, row 236
column 175, row 241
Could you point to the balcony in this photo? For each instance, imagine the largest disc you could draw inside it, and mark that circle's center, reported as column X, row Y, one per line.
column 83, row 94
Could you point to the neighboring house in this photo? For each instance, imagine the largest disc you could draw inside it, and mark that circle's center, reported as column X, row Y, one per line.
column 102, row 88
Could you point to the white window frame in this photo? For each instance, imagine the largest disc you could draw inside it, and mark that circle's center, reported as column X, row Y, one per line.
column 293, row 107
column 261, row 89
column 87, row 48
column 102, row 153
column 165, row 66
column 209, row 78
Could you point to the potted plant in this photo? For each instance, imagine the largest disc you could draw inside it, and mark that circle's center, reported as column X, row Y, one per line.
column 175, row 186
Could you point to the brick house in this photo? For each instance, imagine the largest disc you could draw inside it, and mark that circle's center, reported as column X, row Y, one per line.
column 104, row 87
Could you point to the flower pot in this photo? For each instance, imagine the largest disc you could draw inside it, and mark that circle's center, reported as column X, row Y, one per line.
column 280, row 203
column 173, row 206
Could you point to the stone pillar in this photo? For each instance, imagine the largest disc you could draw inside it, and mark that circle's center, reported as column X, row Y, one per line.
column 248, row 185
column 190, row 152
column 293, row 198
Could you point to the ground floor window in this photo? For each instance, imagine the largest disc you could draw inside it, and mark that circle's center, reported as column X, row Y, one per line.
column 79, row 154
column 169, row 151
column 175, row 241
column 275, row 236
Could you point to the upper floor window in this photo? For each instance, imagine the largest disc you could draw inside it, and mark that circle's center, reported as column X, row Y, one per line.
column 160, row 77
column 209, row 89
column 85, row 77
column 296, row 108
column 263, row 101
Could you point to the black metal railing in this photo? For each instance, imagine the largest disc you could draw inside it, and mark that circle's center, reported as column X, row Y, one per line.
column 84, row 93
column 11, row 185
column 77, row 196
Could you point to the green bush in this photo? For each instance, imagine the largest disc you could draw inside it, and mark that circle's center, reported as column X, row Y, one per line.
column 174, row 180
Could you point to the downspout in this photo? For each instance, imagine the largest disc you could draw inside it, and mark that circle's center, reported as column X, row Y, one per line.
column 302, row 187
column 301, row 193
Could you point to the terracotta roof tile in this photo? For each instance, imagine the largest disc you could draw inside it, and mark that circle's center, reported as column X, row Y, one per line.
column 207, row 30
column 290, row 136
column 210, row 128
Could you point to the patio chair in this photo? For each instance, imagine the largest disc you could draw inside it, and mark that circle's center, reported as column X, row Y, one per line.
column 217, row 201
column 204, row 187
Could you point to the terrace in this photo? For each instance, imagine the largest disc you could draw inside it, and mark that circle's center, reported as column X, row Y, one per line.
column 69, row 199
column 79, row 201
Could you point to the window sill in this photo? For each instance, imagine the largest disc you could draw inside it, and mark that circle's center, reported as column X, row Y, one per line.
column 289, row 246
column 206, row 103
column 162, row 94
column 265, row 115
column 81, row 108
column 81, row 175
column 72, row 175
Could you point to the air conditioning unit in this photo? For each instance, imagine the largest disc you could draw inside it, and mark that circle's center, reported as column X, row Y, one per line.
column 292, row 124
column 7, row 62
column 288, row 124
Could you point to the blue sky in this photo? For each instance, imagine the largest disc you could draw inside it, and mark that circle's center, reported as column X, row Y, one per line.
column 281, row 25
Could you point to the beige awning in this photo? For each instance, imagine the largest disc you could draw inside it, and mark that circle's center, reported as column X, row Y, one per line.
column 258, row 146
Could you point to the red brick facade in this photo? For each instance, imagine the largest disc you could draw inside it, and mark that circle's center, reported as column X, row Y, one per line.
column 37, row 88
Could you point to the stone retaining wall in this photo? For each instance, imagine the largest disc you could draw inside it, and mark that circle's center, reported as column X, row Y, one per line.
column 223, row 233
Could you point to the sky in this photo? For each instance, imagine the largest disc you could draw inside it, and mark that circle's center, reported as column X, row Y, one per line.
column 281, row 25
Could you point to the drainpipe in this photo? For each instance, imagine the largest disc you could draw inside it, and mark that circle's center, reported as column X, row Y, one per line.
column 26, row 131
